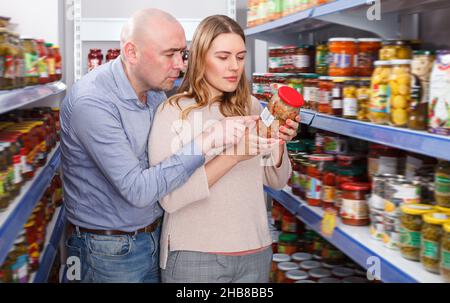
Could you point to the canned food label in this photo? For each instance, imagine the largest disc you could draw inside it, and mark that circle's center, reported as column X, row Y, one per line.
column 42, row 67
column 354, row 209
column 328, row 193
column 342, row 61
column 274, row 62
column 336, row 104
column 430, row 249
column 267, row 118
column 314, row 188
column 409, row 238
column 336, row 93
column 324, row 97
column 300, row 61
column 380, row 98
column 442, row 185
column 350, row 107
column 445, row 259
column 30, row 65
column 366, row 59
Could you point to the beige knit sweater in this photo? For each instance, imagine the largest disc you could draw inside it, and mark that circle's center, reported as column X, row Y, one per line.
column 230, row 216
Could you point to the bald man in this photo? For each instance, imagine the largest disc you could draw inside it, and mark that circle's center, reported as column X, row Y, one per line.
column 110, row 192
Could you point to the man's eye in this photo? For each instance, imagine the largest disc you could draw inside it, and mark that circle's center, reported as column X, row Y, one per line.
column 170, row 55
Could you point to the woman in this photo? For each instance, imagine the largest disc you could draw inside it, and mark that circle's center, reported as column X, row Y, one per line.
column 215, row 226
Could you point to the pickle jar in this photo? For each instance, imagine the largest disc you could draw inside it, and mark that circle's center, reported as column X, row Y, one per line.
column 432, row 233
column 442, row 184
column 322, row 59
column 379, row 106
column 363, row 97
column 396, row 50
column 337, row 96
column 355, row 209
column 325, row 92
column 285, row 104
column 445, row 254
column 310, row 91
column 411, row 223
column 350, row 104
column 400, row 92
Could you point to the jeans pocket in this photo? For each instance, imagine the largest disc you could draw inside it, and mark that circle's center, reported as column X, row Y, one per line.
column 109, row 246
column 73, row 246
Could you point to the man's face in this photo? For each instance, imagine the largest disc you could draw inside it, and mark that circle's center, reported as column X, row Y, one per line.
column 161, row 58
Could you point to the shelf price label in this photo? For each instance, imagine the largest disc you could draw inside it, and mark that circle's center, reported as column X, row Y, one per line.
column 329, row 221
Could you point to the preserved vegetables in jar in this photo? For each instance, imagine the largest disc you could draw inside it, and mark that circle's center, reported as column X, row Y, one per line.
column 379, row 106
column 368, row 49
column 355, row 209
column 315, row 174
column 311, row 91
column 350, row 104
column 363, row 97
column 42, row 63
column 400, row 96
column 302, row 59
column 285, row 104
column 342, row 57
column 7, row 63
column 432, row 232
column 445, row 253
column 337, row 97
column 31, row 59
column 322, row 59
column 325, row 91
column 442, row 184
column 396, row 50
column 58, row 63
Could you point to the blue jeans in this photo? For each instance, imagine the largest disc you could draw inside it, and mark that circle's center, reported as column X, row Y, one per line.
column 116, row 259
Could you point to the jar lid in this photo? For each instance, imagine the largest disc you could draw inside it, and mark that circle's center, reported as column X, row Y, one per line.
column 443, row 210
column 301, row 257
column 356, row 186
column 376, row 40
column 297, row 275
column 287, row 266
column 382, row 63
column 354, row 280
column 342, row 40
column 417, row 209
column 308, row 265
column 401, row 62
column 329, row 266
column 291, row 96
column 396, row 42
column 447, row 227
column 342, row 272
column 319, row 273
column 329, row 280
column 436, row 218
column 305, row 281
column 423, row 53
column 288, row 238
column 281, row 258
column 321, row 157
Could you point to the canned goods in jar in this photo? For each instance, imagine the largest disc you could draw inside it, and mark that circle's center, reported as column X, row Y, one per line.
column 402, row 192
column 276, row 259
column 294, row 276
column 319, row 273
column 283, row 268
column 354, row 209
column 301, row 257
column 335, row 145
column 342, row 272
column 309, row 265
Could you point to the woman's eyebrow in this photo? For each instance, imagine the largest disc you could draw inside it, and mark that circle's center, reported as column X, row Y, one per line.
column 229, row 53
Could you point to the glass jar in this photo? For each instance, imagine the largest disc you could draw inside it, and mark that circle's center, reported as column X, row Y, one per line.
column 329, row 186
column 384, row 159
column 301, row 257
column 421, row 68
column 350, row 104
column 445, row 254
column 315, row 173
column 342, row 272
column 368, row 49
column 288, row 55
column 302, row 59
column 379, row 101
column 345, row 175
column 19, row 60
column 325, row 92
column 296, row 83
column 332, row 256
column 42, row 63
column 355, row 210
column 294, row 276
column 363, row 97
column 277, row 259
column 410, row 229
column 311, row 91
column 337, row 96
column 283, row 268
column 285, row 105
column 287, row 244
column 309, row 265
column 7, row 55
column 58, row 63
column 442, row 184
column 322, row 59
column 335, row 144
column 342, row 57
column 289, row 223
column 319, row 273
column 95, row 59
column 31, row 58
column 439, row 115
column 51, row 62
column 400, row 92
column 432, row 233
column 396, row 50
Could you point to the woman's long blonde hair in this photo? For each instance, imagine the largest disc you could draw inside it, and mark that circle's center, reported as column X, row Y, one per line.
column 194, row 85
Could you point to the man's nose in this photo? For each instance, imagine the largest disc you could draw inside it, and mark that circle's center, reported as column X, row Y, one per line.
column 179, row 63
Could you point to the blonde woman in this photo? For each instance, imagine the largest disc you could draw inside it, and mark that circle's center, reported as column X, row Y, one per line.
column 215, row 226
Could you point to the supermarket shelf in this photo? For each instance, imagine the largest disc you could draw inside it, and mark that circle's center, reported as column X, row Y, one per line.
column 55, row 231
column 414, row 141
column 18, row 212
column 357, row 243
column 17, row 98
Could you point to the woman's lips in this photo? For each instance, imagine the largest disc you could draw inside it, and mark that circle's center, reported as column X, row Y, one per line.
column 231, row 79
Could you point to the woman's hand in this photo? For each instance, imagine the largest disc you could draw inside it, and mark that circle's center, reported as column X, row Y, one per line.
column 289, row 131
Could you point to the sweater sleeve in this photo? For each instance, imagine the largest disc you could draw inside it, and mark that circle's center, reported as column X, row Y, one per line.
column 274, row 177
column 169, row 134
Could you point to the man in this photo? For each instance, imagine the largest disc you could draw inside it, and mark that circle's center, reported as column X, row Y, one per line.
column 110, row 191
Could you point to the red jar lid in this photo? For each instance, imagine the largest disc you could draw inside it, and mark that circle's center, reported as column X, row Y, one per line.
column 356, row 186
column 291, row 96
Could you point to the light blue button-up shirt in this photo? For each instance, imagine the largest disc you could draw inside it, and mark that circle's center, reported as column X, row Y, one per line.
column 108, row 183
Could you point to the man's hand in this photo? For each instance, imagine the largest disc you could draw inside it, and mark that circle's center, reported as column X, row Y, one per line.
column 289, row 131
column 227, row 132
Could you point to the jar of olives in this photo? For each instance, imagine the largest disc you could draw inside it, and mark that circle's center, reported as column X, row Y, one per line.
column 363, row 97
column 410, row 229
column 400, row 88
column 350, row 103
column 396, row 50
column 432, row 233
column 445, row 254
column 378, row 106
column 442, row 184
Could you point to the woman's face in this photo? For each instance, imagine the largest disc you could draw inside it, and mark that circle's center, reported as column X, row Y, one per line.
column 225, row 63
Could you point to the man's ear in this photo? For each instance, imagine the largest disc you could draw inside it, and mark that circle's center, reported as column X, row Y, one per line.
column 130, row 52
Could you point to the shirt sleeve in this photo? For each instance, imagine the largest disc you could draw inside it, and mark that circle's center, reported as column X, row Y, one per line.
column 163, row 144
column 98, row 127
